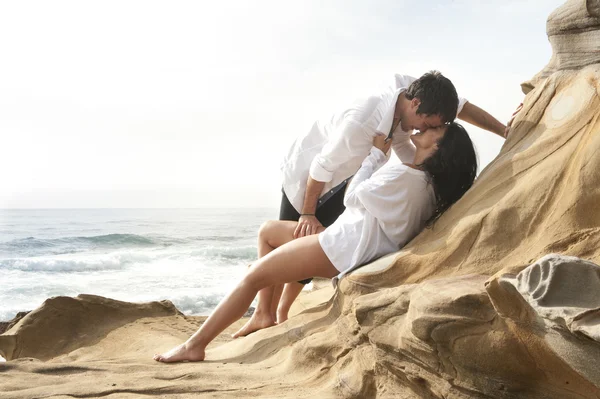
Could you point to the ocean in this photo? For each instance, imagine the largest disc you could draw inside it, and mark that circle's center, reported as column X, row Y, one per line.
column 192, row 257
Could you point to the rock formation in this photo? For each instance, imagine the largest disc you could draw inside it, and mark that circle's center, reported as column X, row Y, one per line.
column 472, row 308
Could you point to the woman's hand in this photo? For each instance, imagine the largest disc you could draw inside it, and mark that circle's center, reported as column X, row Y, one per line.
column 380, row 141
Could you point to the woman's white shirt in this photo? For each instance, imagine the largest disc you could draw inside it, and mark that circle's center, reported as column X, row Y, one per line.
column 385, row 208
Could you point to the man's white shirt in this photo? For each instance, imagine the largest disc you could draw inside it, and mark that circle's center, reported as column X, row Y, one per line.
column 333, row 149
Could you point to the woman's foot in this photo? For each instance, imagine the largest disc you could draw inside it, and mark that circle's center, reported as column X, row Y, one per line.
column 257, row 322
column 181, row 353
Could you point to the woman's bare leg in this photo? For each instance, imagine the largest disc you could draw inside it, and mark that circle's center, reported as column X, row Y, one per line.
column 290, row 293
column 302, row 258
column 271, row 235
column 277, row 291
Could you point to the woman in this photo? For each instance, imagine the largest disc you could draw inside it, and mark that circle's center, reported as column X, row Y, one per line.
column 384, row 211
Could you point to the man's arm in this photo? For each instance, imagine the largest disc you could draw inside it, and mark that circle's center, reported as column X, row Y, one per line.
column 347, row 141
column 308, row 222
column 476, row 116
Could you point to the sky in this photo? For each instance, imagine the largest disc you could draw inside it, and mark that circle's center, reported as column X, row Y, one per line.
column 183, row 104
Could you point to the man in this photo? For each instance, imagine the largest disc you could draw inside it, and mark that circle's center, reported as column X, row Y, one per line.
column 320, row 163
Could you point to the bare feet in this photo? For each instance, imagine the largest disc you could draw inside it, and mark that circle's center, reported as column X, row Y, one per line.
column 181, row 353
column 256, row 322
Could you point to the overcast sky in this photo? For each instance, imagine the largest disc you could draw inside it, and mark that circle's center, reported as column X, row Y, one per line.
column 193, row 103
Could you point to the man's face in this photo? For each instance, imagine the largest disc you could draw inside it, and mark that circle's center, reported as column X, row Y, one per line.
column 421, row 122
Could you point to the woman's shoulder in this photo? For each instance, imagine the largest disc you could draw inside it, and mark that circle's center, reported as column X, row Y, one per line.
column 409, row 182
column 400, row 169
column 399, row 177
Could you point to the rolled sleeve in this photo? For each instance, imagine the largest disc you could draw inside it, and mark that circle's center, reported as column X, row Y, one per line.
column 318, row 172
column 461, row 103
column 347, row 142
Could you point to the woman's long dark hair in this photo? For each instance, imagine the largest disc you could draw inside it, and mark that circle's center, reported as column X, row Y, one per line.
column 451, row 169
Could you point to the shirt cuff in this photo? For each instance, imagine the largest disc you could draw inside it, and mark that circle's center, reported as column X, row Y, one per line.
column 318, row 173
column 378, row 156
column 461, row 104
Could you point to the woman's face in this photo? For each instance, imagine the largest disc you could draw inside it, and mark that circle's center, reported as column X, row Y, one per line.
column 427, row 140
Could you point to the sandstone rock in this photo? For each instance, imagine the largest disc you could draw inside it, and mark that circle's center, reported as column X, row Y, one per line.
column 573, row 32
column 532, row 337
column 62, row 324
column 559, row 298
column 7, row 325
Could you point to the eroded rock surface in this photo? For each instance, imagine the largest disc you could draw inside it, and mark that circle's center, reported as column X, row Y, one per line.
column 63, row 324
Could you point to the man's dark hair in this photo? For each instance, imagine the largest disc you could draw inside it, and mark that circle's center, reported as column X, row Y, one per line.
column 437, row 95
column 451, row 169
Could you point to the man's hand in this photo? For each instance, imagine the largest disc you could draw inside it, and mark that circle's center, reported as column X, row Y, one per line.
column 380, row 141
column 509, row 124
column 307, row 225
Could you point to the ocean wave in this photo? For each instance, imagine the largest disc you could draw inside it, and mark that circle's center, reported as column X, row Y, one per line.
column 78, row 261
column 55, row 246
column 198, row 305
column 202, row 304
column 60, row 245
column 244, row 252
column 62, row 264
column 214, row 238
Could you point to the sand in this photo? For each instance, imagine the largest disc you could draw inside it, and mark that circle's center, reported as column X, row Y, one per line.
column 91, row 346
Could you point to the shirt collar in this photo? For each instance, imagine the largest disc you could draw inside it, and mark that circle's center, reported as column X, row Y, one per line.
column 385, row 125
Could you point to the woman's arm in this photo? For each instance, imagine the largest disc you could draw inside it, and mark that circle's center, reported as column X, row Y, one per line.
column 374, row 161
